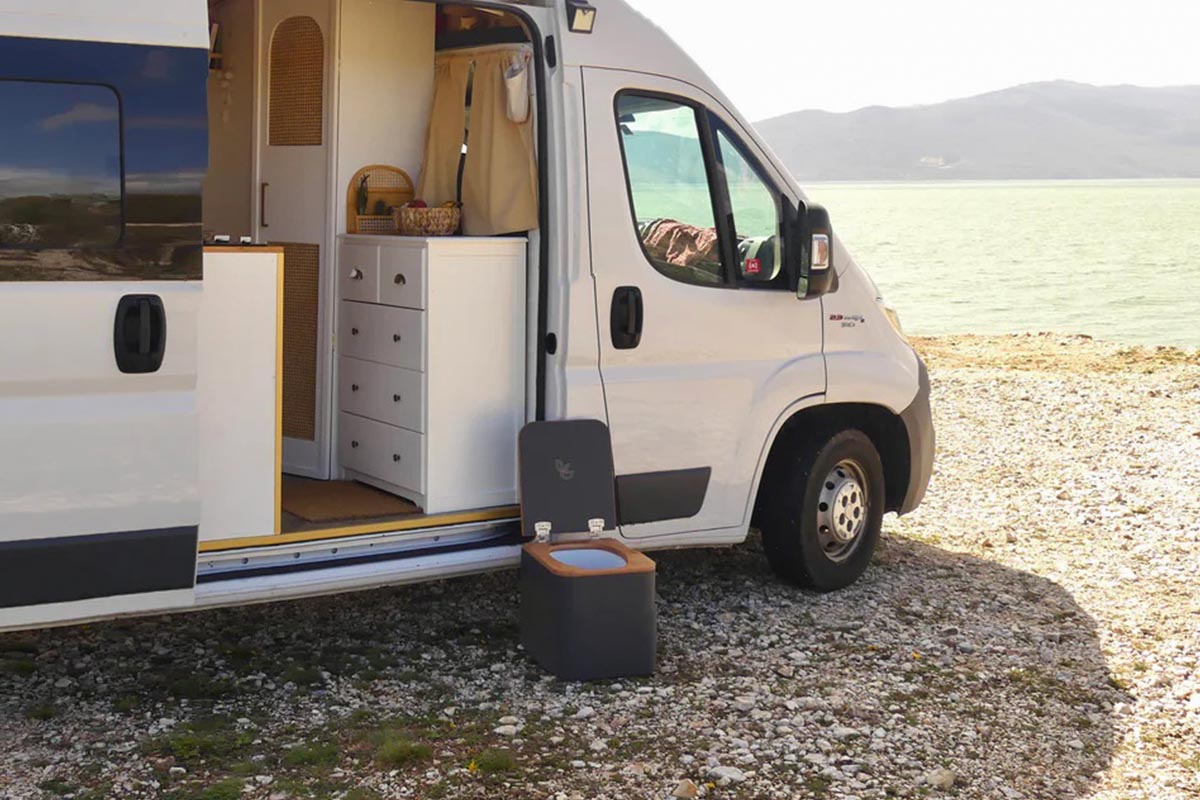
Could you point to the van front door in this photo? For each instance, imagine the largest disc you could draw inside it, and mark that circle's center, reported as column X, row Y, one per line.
column 104, row 150
column 293, row 211
column 700, row 338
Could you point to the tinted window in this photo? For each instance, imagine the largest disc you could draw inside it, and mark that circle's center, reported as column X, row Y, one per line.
column 60, row 165
column 83, row 118
column 668, row 181
column 756, row 216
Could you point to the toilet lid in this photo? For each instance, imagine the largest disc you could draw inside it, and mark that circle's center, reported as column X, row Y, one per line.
column 567, row 476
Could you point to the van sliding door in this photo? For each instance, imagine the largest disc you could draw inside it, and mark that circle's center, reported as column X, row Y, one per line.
column 104, row 151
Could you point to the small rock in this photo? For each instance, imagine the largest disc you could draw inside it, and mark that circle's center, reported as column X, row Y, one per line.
column 177, row 771
column 941, row 779
column 726, row 775
column 510, row 721
column 506, row 730
column 686, row 789
column 585, row 712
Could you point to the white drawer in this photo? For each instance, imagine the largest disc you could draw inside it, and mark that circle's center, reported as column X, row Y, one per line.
column 382, row 451
column 377, row 391
column 402, row 276
column 383, row 334
column 358, row 272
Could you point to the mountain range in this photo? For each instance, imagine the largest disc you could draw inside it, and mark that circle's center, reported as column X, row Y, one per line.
column 1057, row 129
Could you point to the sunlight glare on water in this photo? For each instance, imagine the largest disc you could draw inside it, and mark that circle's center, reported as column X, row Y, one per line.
column 1119, row 260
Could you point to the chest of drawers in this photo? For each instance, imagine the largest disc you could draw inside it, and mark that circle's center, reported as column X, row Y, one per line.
column 431, row 367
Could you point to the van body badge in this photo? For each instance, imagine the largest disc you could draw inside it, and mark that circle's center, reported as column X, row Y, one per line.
column 848, row 320
column 565, row 470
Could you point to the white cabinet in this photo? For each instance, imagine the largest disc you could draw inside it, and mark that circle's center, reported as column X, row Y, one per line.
column 431, row 367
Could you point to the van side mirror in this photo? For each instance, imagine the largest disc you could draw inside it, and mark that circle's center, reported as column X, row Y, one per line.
column 813, row 239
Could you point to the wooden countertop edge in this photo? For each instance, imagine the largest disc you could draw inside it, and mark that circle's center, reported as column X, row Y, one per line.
column 636, row 563
column 241, row 248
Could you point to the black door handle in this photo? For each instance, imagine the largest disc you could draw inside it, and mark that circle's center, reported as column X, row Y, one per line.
column 626, row 318
column 140, row 333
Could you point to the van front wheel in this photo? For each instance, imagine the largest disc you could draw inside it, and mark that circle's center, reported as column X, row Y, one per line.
column 823, row 512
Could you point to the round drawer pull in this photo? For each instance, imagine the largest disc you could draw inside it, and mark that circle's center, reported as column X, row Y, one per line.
column 396, row 338
column 400, row 279
column 356, row 274
column 396, row 457
column 354, row 331
column 354, row 445
column 354, row 387
column 395, row 398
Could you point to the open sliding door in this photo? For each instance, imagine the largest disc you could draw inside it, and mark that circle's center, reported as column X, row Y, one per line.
column 104, row 150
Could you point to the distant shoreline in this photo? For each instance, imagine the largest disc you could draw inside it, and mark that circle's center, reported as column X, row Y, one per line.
column 998, row 181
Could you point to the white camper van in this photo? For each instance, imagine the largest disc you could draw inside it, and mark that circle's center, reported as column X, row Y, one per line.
column 239, row 362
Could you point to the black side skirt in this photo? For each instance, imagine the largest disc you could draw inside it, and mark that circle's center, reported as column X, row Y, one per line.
column 660, row 496
column 37, row 571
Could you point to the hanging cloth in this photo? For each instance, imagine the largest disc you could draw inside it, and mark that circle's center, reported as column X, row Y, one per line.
column 499, row 190
column 447, row 125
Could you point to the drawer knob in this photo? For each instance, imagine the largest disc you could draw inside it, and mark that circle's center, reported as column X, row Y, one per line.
column 396, row 338
column 354, row 387
column 396, row 457
column 356, row 274
column 354, row 331
column 395, row 398
column 400, row 279
column 354, row 445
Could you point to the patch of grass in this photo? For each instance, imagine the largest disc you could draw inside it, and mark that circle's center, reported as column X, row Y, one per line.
column 126, row 703
column 205, row 739
column 495, row 762
column 41, row 712
column 23, row 666
column 228, row 789
column 18, row 646
column 301, row 675
column 321, row 754
column 397, row 751
column 56, row 787
column 199, row 687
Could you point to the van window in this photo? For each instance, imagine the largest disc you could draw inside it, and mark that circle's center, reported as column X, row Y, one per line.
column 756, row 216
column 669, row 188
column 60, row 167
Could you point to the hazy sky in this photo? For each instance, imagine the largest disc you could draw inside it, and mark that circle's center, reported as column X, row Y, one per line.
column 775, row 56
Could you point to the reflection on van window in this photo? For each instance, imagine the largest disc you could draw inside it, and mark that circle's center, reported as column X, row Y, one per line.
column 664, row 161
column 60, row 165
column 755, row 215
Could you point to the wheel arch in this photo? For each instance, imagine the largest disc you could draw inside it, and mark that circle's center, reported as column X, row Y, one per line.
column 885, row 429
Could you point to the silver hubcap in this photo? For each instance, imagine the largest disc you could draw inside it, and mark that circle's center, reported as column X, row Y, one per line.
column 842, row 510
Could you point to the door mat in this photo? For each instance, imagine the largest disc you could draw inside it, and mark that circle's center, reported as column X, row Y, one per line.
column 331, row 501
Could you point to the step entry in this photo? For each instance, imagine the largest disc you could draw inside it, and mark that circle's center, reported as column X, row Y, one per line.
column 587, row 605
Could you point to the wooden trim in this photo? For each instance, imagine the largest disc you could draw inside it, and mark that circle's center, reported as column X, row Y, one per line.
column 257, row 250
column 279, row 392
column 398, row 526
column 635, row 562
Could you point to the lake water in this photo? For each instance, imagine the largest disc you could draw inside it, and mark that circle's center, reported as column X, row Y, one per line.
column 1119, row 260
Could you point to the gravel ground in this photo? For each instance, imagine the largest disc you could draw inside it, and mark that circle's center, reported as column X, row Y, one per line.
column 1033, row 631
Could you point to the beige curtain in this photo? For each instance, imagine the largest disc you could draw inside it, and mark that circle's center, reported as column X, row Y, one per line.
column 444, row 141
column 499, row 191
column 500, row 180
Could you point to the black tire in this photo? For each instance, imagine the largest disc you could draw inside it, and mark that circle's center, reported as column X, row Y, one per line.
column 790, row 520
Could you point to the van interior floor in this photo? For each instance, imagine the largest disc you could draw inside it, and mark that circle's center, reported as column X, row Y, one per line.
column 310, row 505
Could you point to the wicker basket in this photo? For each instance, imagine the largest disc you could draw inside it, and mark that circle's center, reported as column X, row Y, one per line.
column 390, row 185
column 428, row 221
